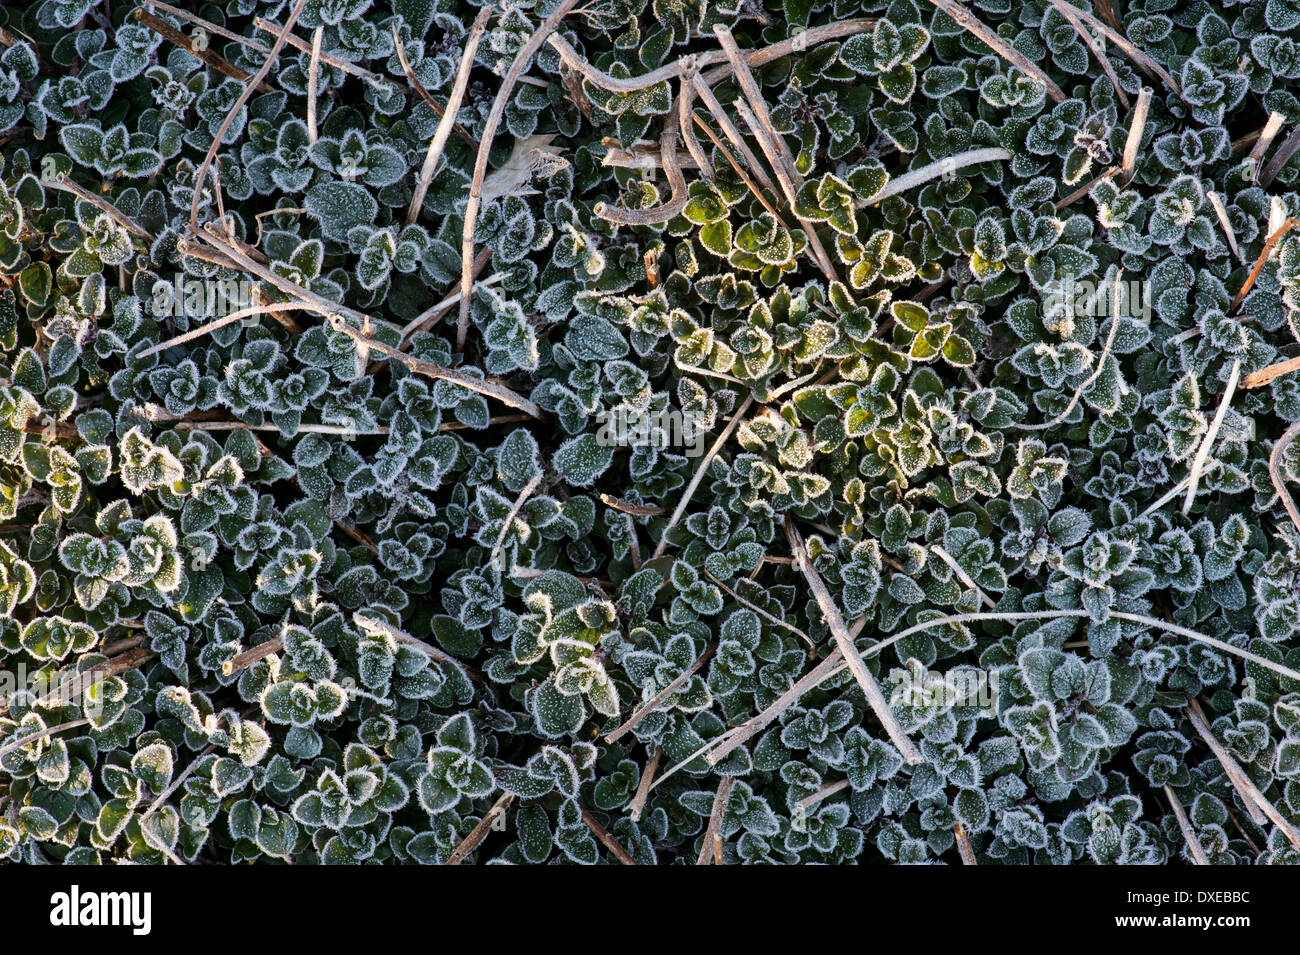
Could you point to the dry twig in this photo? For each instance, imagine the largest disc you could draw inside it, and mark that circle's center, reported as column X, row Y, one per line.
column 1091, row 42
column 448, row 121
column 1135, row 130
column 639, row 510
column 652, row 704
column 740, row 172
column 338, row 315
column 313, row 82
column 940, row 167
column 761, row 612
column 964, row 577
column 1275, row 472
column 504, row 92
column 1198, row 462
column 431, row 316
column 1280, row 158
column 1274, row 238
column 678, row 195
column 1002, row 48
column 1085, row 188
column 800, row 41
column 210, row 57
column 1185, row 827
column 964, row 848
column 83, row 680
column 1142, row 60
column 46, row 733
column 65, row 184
column 423, row 92
column 515, row 508
column 687, row 109
column 1096, row 372
column 607, row 840
column 480, row 830
column 720, row 747
column 382, row 83
column 1266, row 136
column 831, row 613
column 1256, row 804
column 1221, row 213
column 711, row 847
column 637, row 805
column 1257, row 379
column 202, row 174
column 699, row 475
column 209, row 26
column 221, row 322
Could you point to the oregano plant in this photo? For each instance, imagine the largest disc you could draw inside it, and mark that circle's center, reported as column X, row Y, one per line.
column 827, row 432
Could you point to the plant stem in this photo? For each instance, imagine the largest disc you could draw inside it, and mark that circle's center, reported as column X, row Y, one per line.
column 637, row 805
column 1275, row 472
column 43, row 734
column 1276, row 237
column 761, row 612
column 529, row 488
column 65, row 184
column 1135, row 130
column 967, row 21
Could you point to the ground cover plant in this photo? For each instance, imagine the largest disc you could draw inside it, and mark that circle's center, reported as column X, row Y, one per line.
column 815, row 431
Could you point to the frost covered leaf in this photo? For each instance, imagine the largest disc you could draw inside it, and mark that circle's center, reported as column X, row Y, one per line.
column 341, row 206
column 581, row 460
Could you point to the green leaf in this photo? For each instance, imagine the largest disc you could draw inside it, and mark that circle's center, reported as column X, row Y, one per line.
column 716, row 237
column 341, row 206
column 583, row 459
column 958, row 351
column 35, row 283
column 705, row 204
column 84, row 142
